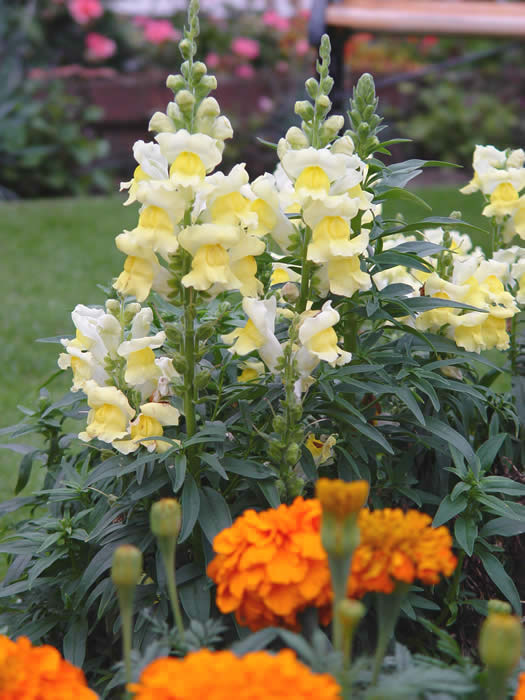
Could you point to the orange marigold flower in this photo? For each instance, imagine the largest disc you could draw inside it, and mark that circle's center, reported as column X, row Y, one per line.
column 398, row 546
column 341, row 498
column 520, row 690
column 38, row 673
column 220, row 675
column 270, row 566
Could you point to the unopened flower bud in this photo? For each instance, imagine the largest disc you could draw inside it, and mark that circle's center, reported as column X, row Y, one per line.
column 296, row 138
column 166, row 518
column 126, row 568
column 208, row 82
column 173, row 112
column 175, row 82
column 186, row 48
column 202, row 378
column 282, row 148
column 293, row 452
column 500, row 641
column 199, row 69
column 332, row 126
column 327, row 84
column 323, row 103
column 113, row 307
column 290, row 292
column 185, row 100
column 130, row 311
column 312, row 87
column 351, row 612
column 208, row 108
column 179, row 362
column 304, row 109
column 344, row 144
column 161, row 123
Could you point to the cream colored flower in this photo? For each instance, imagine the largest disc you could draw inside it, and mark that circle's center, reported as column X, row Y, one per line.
column 155, row 230
column 314, row 170
column 142, row 372
column 268, row 206
column 317, row 335
column 321, row 450
column 149, row 424
column 344, row 276
column 251, row 369
column 142, row 270
column 190, row 156
column 258, row 333
column 110, row 413
column 152, row 165
column 504, row 201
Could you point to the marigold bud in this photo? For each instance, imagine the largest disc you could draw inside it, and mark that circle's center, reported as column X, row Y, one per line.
column 351, row 612
column 126, row 568
column 341, row 498
column 500, row 641
column 166, row 518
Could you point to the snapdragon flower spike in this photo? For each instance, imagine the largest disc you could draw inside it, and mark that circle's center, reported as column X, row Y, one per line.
column 110, row 413
column 317, row 335
column 150, row 423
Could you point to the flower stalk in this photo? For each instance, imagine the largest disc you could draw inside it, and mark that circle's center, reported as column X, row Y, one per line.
column 388, row 609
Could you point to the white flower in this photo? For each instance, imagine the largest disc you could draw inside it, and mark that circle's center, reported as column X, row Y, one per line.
column 318, row 336
column 110, row 413
column 258, row 333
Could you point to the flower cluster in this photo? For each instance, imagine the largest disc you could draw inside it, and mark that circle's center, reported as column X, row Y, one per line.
column 113, row 361
column 38, row 673
column 271, row 565
column 397, row 546
column 463, row 275
column 222, row 675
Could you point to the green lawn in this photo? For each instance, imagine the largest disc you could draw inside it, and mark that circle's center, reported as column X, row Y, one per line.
column 54, row 254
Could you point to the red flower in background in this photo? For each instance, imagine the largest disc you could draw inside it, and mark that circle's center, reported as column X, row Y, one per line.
column 99, row 47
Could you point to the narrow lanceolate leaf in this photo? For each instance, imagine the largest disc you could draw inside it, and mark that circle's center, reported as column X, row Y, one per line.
column 214, row 513
column 504, row 527
column 447, row 433
column 190, row 503
column 488, row 452
column 466, row 533
column 501, row 579
column 449, row 509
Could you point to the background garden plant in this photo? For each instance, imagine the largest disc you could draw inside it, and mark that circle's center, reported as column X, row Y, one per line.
column 260, row 336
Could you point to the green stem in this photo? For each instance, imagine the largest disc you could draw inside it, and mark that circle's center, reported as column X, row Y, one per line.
column 388, row 608
column 167, row 546
column 340, row 570
column 306, row 272
column 189, row 371
column 496, row 684
column 350, row 328
column 453, row 589
column 125, row 597
column 514, row 345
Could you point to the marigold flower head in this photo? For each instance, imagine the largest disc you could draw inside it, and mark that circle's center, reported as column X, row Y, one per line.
column 397, row 546
column 270, row 566
column 341, row 498
column 221, row 675
column 39, row 673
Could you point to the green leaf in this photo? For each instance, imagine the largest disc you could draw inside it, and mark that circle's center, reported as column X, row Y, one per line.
column 501, row 579
column 398, row 193
column 255, row 642
column 451, row 436
column 98, row 565
column 269, row 490
column 488, row 451
column 195, row 598
column 449, row 509
column 408, row 398
column 177, row 472
column 213, row 462
column 499, row 507
column 466, row 533
column 247, row 468
column 214, row 515
column 390, row 259
column 24, row 471
column 75, row 641
column 190, row 503
column 505, row 527
column 502, row 484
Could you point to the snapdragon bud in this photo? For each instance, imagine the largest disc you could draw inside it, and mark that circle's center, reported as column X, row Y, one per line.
column 208, row 109
column 175, row 82
column 312, row 87
column 185, row 100
column 332, row 126
column 199, row 69
column 304, row 109
column 344, row 144
column 296, row 138
column 173, row 112
column 327, row 84
column 113, row 307
column 161, row 123
column 290, row 292
column 323, row 105
column 186, row 49
column 208, row 83
column 130, row 311
column 126, row 568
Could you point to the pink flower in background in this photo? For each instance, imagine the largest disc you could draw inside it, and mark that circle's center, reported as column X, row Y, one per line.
column 157, row 31
column 245, row 71
column 83, row 11
column 265, row 103
column 140, row 21
column 302, row 47
column 282, row 67
column 212, row 60
column 247, row 48
column 275, row 20
column 99, row 47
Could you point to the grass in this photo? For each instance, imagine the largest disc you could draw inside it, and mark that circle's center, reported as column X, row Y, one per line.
column 54, row 254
